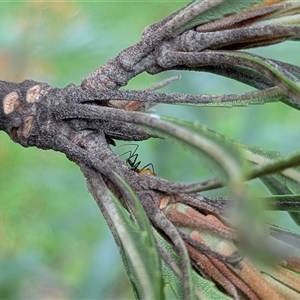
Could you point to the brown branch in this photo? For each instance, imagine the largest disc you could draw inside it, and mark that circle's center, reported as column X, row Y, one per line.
column 81, row 122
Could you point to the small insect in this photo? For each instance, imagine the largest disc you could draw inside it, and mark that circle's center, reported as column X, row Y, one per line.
column 133, row 162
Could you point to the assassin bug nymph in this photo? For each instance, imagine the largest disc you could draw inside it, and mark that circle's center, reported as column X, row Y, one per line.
column 133, row 162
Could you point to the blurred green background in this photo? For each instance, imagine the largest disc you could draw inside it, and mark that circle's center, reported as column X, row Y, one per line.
column 54, row 242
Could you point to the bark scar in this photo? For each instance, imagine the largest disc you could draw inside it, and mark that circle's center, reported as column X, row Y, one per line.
column 32, row 94
column 10, row 102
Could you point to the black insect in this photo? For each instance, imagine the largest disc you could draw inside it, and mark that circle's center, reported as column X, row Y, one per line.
column 133, row 162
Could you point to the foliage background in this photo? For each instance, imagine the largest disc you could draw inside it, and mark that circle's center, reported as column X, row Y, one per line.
column 54, row 243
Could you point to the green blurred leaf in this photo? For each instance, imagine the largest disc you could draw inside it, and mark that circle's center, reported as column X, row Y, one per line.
column 287, row 203
column 285, row 235
column 273, row 162
column 138, row 250
column 207, row 13
column 221, row 155
column 203, row 289
column 285, row 182
column 276, row 187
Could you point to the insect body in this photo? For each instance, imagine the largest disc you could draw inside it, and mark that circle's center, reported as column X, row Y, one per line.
column 146, row 170
column 133, row 162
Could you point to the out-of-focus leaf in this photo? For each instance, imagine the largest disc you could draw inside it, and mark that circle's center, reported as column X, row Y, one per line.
column 285, row 235
column 224, row 156
column 285, row 182
column 138, row 253
column 275, row 185
column 220, row 154
column 288, row 177
column 207, row 13
column 289, row 203
column 203, row 289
